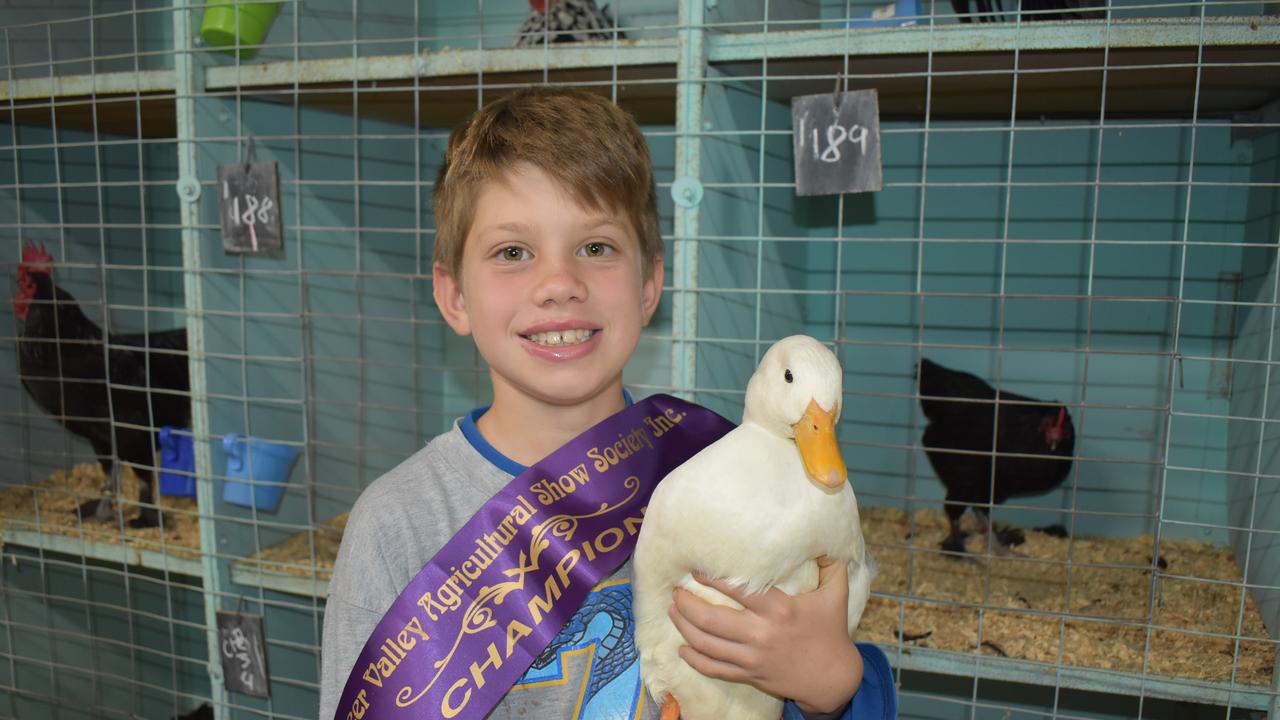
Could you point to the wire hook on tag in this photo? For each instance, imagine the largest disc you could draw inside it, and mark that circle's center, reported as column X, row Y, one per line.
column 249, row 155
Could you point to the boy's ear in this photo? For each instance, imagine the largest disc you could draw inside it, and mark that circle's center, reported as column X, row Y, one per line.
column 448, row 294
column 651, row 292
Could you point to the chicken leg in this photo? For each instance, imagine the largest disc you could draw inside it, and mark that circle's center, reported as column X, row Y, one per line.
column 149, row 499
column 997, row 538
column 105, row 509
column 953, row 545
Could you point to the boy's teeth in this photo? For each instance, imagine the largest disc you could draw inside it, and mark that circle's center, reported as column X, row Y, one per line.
column 562, row 337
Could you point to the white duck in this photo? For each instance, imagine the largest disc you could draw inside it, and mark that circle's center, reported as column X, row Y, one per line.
column 756, row 507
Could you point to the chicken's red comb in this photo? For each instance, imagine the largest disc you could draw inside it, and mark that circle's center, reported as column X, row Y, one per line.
column 36, row 254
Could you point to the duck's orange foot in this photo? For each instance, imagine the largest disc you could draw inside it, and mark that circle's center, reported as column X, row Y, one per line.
column 670, row 708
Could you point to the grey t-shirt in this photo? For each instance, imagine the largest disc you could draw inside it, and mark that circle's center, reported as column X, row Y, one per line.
column 591, row 671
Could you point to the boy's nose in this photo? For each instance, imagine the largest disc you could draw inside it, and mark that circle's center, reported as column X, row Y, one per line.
column 560, row 283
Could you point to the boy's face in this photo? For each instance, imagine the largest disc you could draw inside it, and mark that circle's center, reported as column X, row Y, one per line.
column 554, row 295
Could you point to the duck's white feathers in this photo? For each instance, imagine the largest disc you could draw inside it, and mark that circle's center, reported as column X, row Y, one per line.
column 742, row 509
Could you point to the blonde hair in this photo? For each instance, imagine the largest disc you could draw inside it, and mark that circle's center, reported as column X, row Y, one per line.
column 587, row 144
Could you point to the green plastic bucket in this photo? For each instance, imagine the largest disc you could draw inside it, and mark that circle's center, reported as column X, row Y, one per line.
column 224, row 18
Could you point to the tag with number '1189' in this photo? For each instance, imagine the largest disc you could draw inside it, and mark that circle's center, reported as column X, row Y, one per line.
column 837, row 143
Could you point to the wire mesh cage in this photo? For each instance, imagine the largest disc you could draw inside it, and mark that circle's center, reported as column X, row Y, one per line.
column 1080, row 209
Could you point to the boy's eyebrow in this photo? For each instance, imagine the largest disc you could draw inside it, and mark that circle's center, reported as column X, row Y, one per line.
column 603, row 220
column 512, row 226
column 520, row 227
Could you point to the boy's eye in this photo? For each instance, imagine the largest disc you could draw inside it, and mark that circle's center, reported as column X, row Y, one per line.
column 596, row 249
column 513, row 252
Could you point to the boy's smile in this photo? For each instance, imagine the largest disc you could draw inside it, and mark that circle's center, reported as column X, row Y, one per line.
column 561, row 340
column 553, row 293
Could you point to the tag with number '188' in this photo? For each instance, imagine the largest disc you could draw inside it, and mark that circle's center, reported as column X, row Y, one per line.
column 249, row 207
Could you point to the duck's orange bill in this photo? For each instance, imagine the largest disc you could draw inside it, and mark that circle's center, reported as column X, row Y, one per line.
column 816, row 437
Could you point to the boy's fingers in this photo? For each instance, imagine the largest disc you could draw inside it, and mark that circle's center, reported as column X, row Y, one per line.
column 710, row 667
column 750, row 601
column 708, row 644
column 718, row 620
column 832, row 571
column 720, row 584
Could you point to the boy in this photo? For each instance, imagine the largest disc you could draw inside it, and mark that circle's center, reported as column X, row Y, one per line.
column 548, row 254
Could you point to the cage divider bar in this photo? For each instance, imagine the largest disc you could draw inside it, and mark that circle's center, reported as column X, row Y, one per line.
column 1090, row 306
column 146, row 301
column 913, row 463
column 691, row 69
column 758, row 295
column 1155, row 585
column 188, row 81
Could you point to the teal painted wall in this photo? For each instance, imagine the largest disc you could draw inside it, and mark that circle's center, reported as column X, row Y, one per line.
column 58, row 37
column 86, row 640
column 1254, row 485
column 768, row 269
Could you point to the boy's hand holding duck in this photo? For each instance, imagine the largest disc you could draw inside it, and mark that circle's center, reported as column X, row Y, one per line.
column 788, row 646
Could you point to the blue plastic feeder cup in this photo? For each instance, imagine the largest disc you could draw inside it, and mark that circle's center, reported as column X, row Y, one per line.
column 177, row 456
column 256, row 478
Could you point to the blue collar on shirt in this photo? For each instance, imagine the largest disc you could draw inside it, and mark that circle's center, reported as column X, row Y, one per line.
column 489, row 452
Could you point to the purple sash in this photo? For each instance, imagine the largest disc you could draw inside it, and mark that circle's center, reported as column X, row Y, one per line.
column 473, row 620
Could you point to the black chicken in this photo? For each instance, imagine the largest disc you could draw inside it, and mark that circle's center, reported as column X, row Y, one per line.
column 116, row 396
column 1023, row 427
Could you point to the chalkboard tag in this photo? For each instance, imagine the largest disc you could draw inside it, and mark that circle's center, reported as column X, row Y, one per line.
column 249, row 204
column 837, row 143
column 244, row 660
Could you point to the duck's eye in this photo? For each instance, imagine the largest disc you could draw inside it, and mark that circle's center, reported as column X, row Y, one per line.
column 787, row 376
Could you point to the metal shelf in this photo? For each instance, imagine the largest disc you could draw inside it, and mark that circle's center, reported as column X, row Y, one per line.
column 1030, row 672
column 131, row 104
column 1153, row 67
column 110, row 552
column 1138, row 33
column 985, row 667
column 251, row 573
